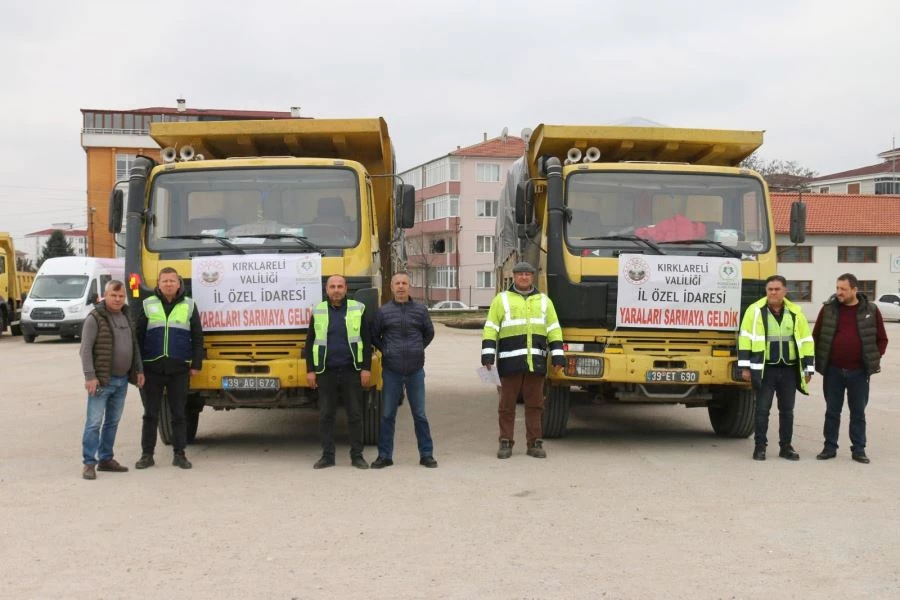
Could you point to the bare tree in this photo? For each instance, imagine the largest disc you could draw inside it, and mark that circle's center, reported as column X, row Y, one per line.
column 420, row 258
column 779, row 174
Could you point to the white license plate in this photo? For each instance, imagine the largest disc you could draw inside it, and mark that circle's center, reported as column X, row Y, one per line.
column 668, row 376
column 251, row 383
column 46, row 325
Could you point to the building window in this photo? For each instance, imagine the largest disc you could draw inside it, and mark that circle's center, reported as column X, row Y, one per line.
column 485, row 279
column 440, row 171
column 413, row 178
column 441, row 207
column 487, row 173
column 795, row 254
column 442, row 277
column 438, row 246
column 123, row 165
column 823, row 190
column 868, row 287
column 486, row 208
column 853, row 188
column 857, row 254
column 799, row 291
column 887, row 185
column 484, row 243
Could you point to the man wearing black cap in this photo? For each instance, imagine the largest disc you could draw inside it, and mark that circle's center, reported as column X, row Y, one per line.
column 521, row 330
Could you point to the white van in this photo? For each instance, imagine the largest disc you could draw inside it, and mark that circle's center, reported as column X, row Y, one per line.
column 64, row 293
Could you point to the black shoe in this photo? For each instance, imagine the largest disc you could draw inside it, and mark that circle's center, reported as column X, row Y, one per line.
column 759, row 453
column 825, row 454
column 359, row 462
column 146, row 460
column 536, row 449
column 324, row 462
column 381, row 463
column 505, row 450
column 428, row 461
column 789, row 453
column 181, row 461
column 861, row 457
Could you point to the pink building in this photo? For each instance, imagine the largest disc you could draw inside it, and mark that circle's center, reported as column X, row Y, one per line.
column 450, row 250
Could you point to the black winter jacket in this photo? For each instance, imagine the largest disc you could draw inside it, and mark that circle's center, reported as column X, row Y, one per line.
column 402, row 331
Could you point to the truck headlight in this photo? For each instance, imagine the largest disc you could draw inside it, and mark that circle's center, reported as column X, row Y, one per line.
column 75, row 308
column 584, row 366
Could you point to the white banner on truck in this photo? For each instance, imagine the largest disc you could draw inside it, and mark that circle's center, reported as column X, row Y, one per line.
column 679, row 292
column 257, row 291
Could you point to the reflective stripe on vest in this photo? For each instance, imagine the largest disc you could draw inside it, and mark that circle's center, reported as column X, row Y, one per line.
column 353, row 323
column 168, row 336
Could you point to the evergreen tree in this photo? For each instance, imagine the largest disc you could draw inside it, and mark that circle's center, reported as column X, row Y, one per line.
column 57, row 245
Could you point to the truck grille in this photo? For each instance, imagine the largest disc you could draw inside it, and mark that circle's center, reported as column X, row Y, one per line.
column 47, row 314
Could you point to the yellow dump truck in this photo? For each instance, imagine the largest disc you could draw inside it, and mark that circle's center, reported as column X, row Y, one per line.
column 651, row 242
column 255, row 215
column 14, row 286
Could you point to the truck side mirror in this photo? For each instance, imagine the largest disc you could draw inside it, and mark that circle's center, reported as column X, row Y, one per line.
column 116, row 210
column 406, row 200
column 798, row 223
column 524, row 203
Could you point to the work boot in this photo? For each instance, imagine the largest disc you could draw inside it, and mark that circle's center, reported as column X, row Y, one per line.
column 111, row 465
column 861, row 457
column 181, row 461
column 789, row 453
column 89, row 472
column 825, row 454
column 359, row 462
column 382, row 462
column 428, row 461
column 759, row 453
column 505, row 450
column 536, row 449
column 146, row 460
column 324, row 462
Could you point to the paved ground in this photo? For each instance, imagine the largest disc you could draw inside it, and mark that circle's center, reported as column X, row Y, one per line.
column 637, row 502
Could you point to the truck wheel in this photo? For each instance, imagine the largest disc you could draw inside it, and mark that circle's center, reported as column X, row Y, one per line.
column 2, row 322
column 15, row 329
column 192, row 422
column 555, row 419
column 29, row 339
column 166, row 433
column 373, row 406
column 732, row 415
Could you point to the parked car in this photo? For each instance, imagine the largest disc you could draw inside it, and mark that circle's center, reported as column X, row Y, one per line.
column 450, row 305
column 889, row 305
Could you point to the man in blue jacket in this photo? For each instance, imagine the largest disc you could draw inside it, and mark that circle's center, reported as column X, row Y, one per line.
column 402, row 330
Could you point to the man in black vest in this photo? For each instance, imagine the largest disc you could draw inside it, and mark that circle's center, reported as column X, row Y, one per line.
column 850, row 341
column 110, row 359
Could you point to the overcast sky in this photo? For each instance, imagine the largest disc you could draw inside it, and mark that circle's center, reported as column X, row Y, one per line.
column 820, row 77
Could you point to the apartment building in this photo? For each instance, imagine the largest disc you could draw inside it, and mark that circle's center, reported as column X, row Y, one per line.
column 879, row 179
column 450, row 250
column 112, row 139
column 77, row 237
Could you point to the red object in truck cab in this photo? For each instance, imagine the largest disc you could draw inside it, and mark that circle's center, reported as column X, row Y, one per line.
column 676, row 228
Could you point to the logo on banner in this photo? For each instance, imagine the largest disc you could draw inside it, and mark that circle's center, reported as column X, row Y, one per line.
column 728, row 271
column 211, row 273
column 636, row 270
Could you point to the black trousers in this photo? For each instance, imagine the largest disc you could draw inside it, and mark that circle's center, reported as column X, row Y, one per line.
column 334, row 386
column 175, row 386
column 780, row 380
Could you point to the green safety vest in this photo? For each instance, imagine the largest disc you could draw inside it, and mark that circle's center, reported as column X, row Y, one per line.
column 168, row 336
column 353, row 321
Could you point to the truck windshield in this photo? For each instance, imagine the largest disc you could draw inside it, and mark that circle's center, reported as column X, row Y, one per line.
column 254, row 208
column 58, row 287
column 685, row 210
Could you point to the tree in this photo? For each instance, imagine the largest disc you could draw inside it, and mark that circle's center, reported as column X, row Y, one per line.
column 57, row 245
column 24, row 264
column 779, row 174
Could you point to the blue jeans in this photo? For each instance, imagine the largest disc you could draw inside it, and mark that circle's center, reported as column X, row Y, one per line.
column 415, row 393
column 856, row 383
column 104, row 409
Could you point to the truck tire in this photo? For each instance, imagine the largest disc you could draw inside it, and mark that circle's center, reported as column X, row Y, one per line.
column 2, row 322
column 15, row 329
column 192, row 422
column 732, row 415
column 166, row 433
column 555, row 419
column 373, row 407
column 29, row 339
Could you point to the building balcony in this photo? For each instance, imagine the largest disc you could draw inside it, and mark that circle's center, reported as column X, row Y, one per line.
column 434, row 226
column 419, row 261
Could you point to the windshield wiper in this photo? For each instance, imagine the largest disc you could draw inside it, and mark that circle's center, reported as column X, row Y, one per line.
column 626, row 238
column 732, row 251
column 303, row 241
column 204, row 236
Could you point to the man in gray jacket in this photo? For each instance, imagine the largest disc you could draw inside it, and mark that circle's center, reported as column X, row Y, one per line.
column 402, row 330
column 110, row 359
